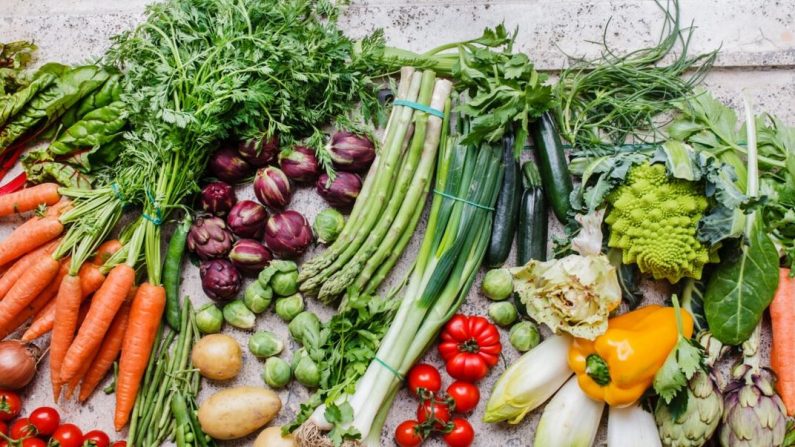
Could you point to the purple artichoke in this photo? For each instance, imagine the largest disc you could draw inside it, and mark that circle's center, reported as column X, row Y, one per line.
column 351, row 152
column 218, row 198
column 227, row 164
column 259, row 153
column 288, row 234
column 272, row 187
column 209, row 238
column 299, row 164
column 220, row 279
column 250, row 256
column 342, row 191
column 247, row 219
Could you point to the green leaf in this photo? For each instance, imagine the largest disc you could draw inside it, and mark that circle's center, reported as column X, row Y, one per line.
column 742, row 287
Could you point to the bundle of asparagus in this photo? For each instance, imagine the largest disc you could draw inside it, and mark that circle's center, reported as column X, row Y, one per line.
column 392, row 198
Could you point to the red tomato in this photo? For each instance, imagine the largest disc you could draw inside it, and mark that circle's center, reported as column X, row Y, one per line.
column 33, row 442
column 96, row 438
column 424, row 376
column 465, row 395
column 461, row 435
column 119, row 444
column 45, row 419
column 3, row 428
column 470, row 346
column 407, row 434
column 10, row 405
column 21, row 429
column 436, row 410
column 67, row 435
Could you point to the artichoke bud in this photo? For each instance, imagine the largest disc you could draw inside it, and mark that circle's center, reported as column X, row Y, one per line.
column 351, row 152
column 700, row 418
column 300, row 164
column 754, row 414
column 272, row 187
column 342, row 191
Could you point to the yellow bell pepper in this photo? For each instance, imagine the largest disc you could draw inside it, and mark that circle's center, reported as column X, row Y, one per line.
column 619, row 365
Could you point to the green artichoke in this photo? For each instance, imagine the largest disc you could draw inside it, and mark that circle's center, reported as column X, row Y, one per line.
column 698, row 422
column 755, row 415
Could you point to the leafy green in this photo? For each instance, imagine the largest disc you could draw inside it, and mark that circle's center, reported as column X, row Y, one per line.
column 338, row 416
column 693, row 301
column 685, row 359
column 97, row 127
column 14, row 58
column 12, row 104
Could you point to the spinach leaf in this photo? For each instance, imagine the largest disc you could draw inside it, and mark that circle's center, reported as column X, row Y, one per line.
column 10, row 105
column 742, row 287
column 97, row 127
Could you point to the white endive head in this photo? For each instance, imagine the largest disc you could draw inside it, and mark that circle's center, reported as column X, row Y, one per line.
column 529, row 381
column 570, row 419
column 631, row 427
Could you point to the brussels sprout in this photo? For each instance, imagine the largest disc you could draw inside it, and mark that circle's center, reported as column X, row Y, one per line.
column 284, row 283
column 237, row 314
column 524, row 336
column 503, row 313
column 265, row 344
column 306, row 372
column 277, row 373
column 497, row 284
column 305, row 328
column 328, row 225
column 209, row 319
column 257, row 298
column 276, row 266
column 288, row 308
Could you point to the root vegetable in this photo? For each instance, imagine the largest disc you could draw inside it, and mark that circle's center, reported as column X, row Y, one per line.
column 237, row 412
column 272, row 437
column 17, row 363
column 217, row 356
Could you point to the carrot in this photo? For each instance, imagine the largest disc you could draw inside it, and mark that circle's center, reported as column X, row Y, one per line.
column 782, row 356
column 91, row 279
column 58, row 209
column 67, row 308
column 29, row 199
column 15, row 271
column 29, row 236
column 32, row 282
column 104, row 306
column 36, row 306
column 145, row 315
column 106, row 355
column 105, row 251
column 70, row 388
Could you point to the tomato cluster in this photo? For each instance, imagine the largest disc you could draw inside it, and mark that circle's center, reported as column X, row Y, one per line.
column 43, row 428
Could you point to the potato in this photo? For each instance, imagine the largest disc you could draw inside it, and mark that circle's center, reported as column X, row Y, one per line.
column 217, row 356
column 237, row 412
column 272, row 437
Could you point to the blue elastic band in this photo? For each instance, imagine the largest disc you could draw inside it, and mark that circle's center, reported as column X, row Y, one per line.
column 420, row 107
column 389, row 368
column 115, row 187
column 475, row 204
column 157, row 219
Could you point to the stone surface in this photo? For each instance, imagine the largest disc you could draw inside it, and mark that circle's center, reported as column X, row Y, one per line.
column 756, row 37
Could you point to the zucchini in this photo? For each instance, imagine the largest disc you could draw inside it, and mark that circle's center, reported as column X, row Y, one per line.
column 552, row 166
column 505, row 211
column 532, row 234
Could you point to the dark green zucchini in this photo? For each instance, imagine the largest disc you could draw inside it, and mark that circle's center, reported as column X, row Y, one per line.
column 532, row 233
column 553, row 166
column 505, row 212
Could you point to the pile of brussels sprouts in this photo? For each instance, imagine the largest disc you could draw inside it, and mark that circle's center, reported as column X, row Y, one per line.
column 498, row 286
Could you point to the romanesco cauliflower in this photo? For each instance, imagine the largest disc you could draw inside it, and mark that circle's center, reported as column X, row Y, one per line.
column 654, row 219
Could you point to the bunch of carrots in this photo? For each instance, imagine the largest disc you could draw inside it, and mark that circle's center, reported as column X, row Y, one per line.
column 44, row 285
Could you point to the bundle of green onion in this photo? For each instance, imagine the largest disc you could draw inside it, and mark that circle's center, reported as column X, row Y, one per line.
column 453, row 247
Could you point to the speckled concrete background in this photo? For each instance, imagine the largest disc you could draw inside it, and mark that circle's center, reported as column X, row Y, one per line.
column 757, row 40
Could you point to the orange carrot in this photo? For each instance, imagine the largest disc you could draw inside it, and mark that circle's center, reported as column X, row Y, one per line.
column 29, row 199
column 145, row 314
column 104, row 306
column 70, row 388
column 58, row 209
column 91, row 279
column 36, row 306
column 12, row 274
column 106, row 355
column 29, row 236
column 32, row 282
column 782, row 356
column 67, row 308
column 105, row 251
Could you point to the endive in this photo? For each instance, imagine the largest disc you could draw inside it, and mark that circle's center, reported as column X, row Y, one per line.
column 570, row 419
column 530, row 381
column 631, row 427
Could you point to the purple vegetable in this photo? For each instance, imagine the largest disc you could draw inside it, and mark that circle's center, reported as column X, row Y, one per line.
column 259, row 153
column 227, row 164
column 342, row 191
column 247, row 219
column 351, row 152
column 218, row 198
column 209, row 238
column 250, row 256
column 220, row 279
column 299, row 164
column 288, row 234
column 272, row 187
